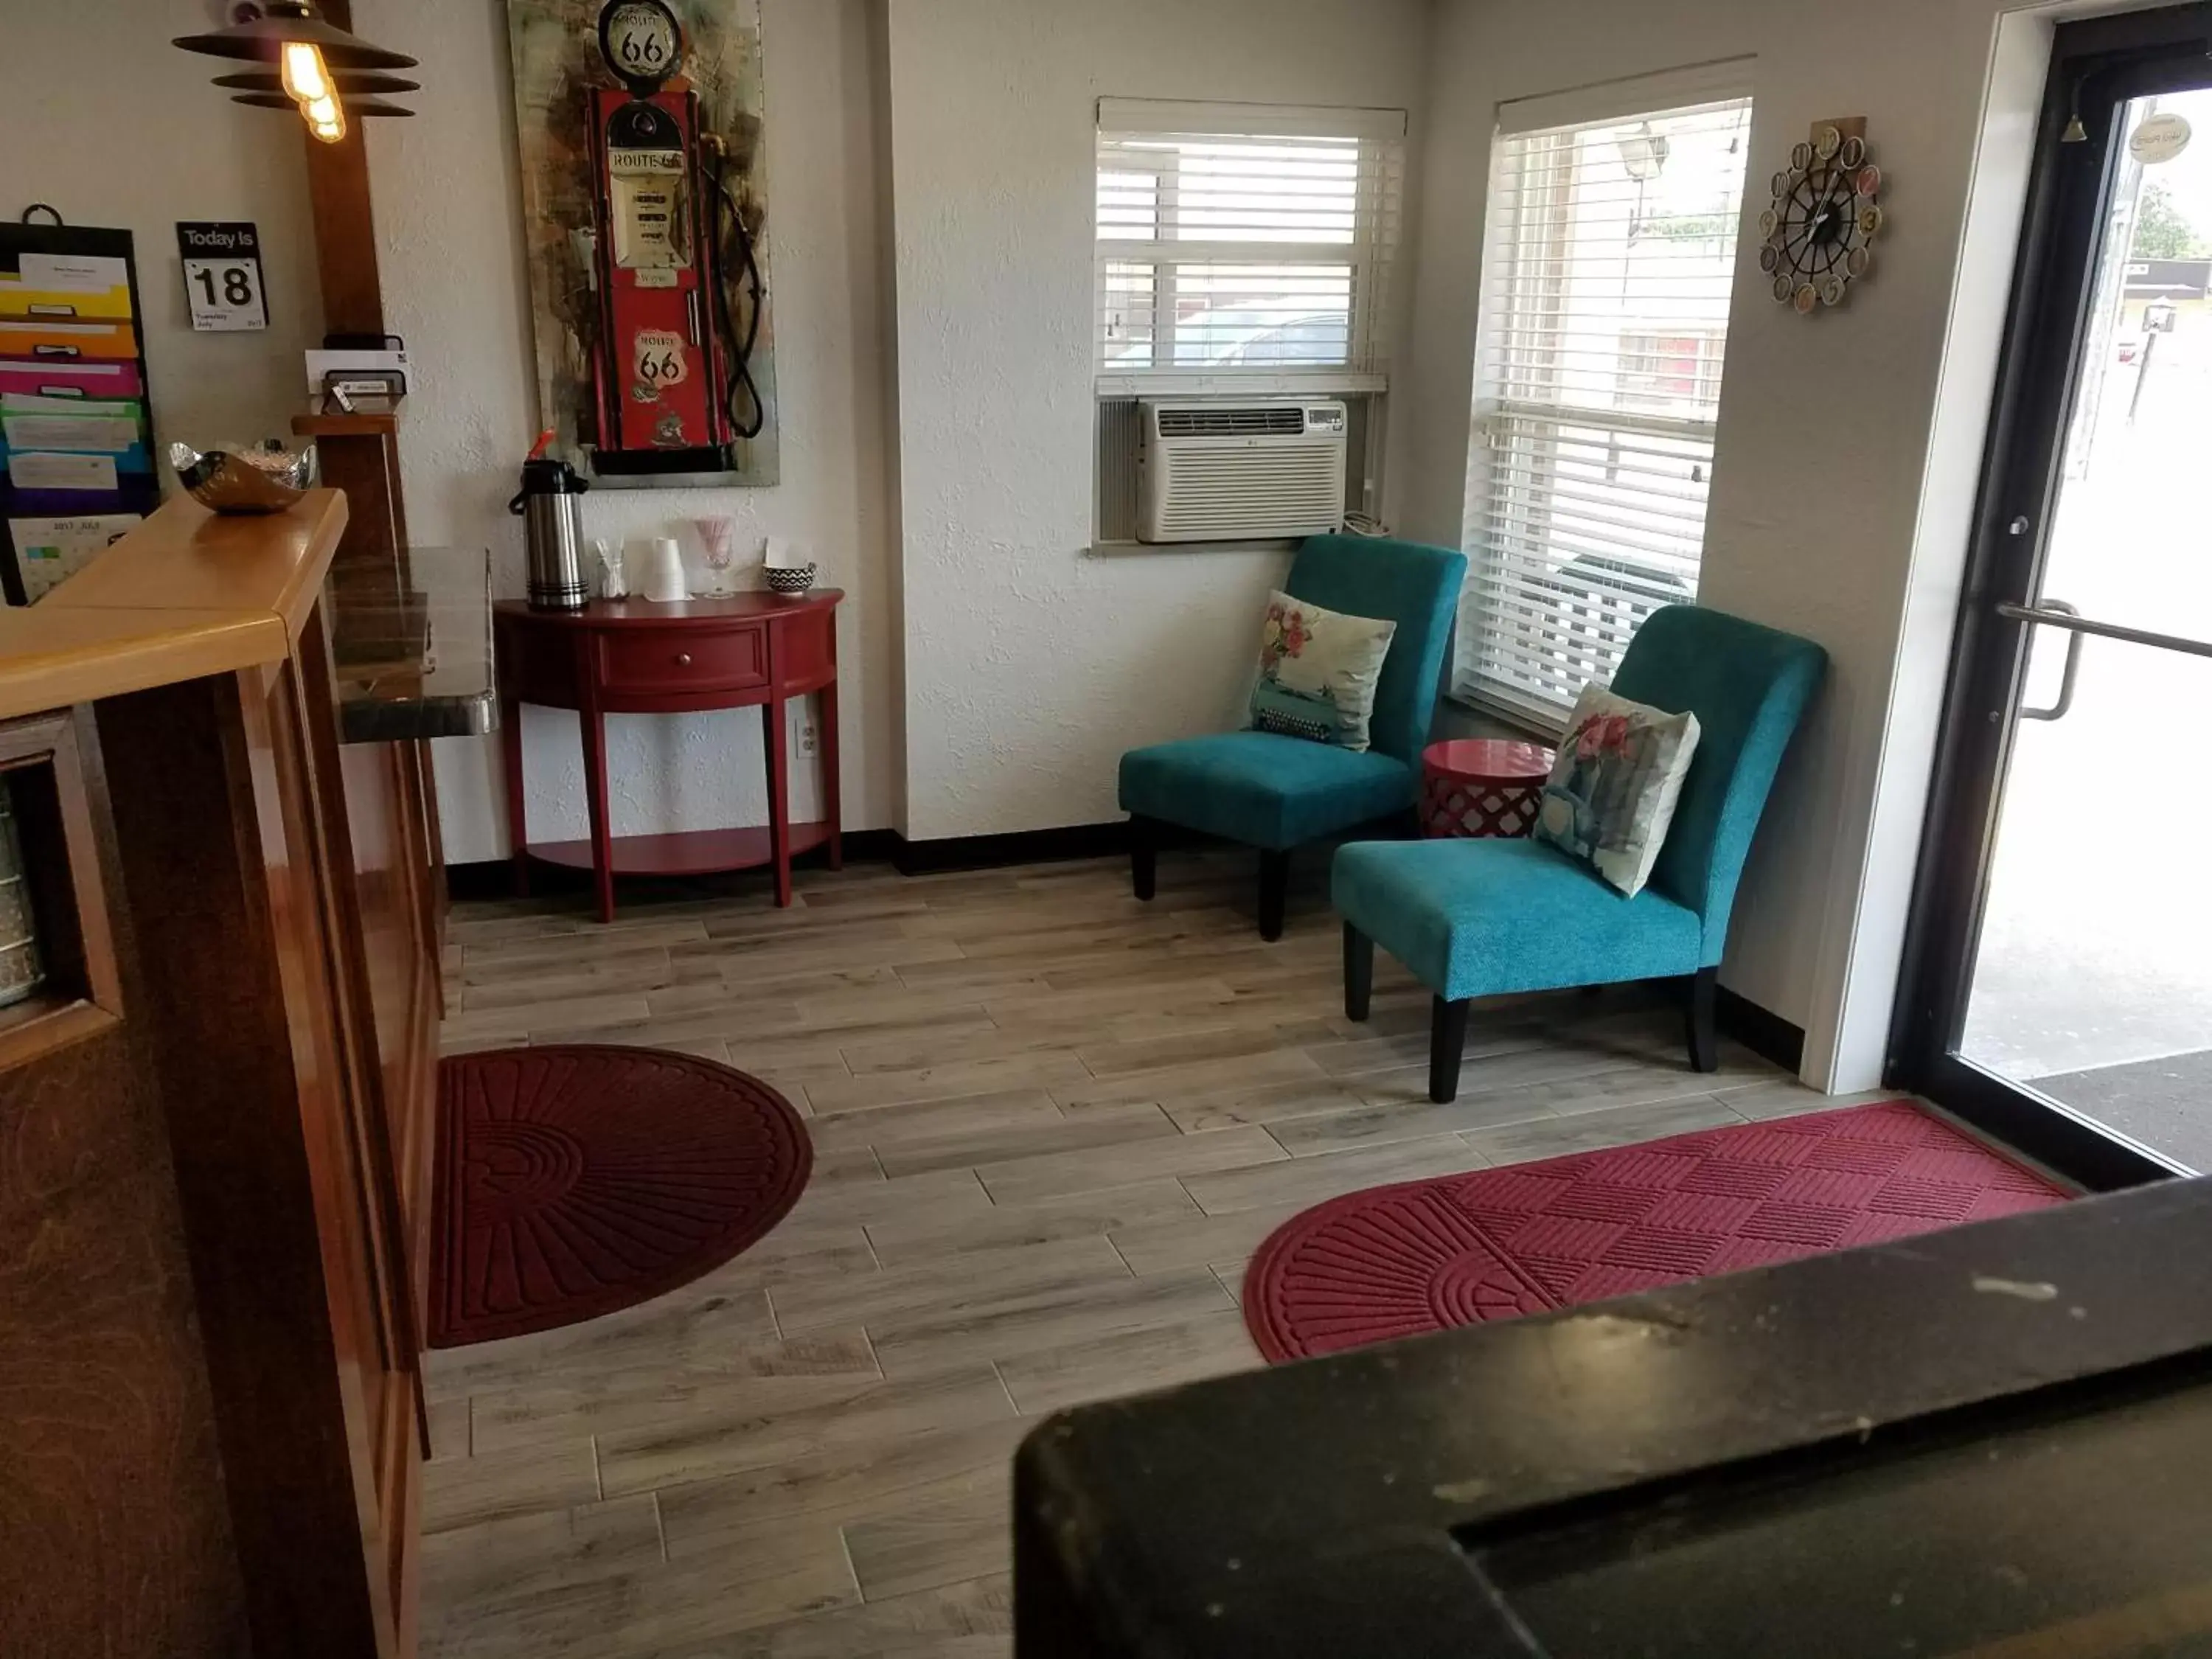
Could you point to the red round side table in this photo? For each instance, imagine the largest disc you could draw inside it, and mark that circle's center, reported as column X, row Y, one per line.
column 1477, row 786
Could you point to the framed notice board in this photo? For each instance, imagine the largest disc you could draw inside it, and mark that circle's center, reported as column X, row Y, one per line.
column 76, row 422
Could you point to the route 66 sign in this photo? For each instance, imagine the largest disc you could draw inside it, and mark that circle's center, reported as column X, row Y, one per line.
column 658, row 359
column 642, row 42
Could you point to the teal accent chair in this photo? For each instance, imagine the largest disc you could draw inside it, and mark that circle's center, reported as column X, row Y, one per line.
column 1276, row 793
column 1484, row 918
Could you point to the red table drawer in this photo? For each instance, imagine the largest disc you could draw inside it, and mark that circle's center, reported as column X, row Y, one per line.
column 637, row 661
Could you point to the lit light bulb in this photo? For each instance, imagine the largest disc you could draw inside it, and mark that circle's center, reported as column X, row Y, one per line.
column 325, row 117
column 307, row 78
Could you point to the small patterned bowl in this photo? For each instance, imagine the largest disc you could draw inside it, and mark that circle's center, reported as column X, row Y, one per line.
column 791, row 579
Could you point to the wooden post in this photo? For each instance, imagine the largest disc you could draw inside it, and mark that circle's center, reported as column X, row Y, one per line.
column 345, row 220
column 360, row 454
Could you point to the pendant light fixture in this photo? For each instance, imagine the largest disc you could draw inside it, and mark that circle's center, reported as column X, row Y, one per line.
column 347, row 81
column 317, row 64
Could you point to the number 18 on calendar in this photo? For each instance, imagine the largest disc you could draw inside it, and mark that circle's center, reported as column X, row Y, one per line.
column 223, row 277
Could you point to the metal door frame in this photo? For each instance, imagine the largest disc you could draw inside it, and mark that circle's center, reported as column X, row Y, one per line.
column 2098, row 64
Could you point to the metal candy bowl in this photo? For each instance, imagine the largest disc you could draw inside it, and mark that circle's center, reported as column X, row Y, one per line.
column 268, row 479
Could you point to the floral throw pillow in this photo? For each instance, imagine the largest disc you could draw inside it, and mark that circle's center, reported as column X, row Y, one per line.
column 1612, row 789
column 1317, row 672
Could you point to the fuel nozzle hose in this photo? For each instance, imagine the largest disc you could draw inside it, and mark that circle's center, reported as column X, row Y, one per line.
column 743, row 388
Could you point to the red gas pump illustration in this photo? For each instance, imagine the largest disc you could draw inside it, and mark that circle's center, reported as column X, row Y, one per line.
column 673, row 264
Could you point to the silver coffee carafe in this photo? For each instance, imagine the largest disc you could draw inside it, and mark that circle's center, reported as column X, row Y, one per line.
column 550, row 506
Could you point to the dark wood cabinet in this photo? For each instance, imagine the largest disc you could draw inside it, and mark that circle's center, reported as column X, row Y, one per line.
column 225, row 1221
column 115, row 1533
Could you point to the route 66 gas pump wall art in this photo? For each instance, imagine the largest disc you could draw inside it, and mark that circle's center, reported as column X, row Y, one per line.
column 639, row 125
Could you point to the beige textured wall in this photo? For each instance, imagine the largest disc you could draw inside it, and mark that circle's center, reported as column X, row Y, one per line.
column 1845, row 468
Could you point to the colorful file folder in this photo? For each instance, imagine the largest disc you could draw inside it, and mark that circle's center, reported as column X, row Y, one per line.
column 41, row 378
column 76, row 433
column 51, row 340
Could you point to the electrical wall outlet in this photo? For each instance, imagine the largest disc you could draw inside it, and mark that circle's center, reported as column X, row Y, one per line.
column 809, row 740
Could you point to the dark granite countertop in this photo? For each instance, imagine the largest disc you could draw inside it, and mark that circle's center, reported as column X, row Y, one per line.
column 1988, row 1439
column 412, row 638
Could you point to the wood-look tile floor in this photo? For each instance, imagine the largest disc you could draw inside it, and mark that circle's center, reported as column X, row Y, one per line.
column 1051, row 1126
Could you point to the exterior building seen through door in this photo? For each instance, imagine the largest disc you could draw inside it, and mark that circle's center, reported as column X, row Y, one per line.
column 2092, row 982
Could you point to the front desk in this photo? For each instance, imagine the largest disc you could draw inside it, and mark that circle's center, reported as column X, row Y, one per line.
column 1990, row 1441
column 216, row 1108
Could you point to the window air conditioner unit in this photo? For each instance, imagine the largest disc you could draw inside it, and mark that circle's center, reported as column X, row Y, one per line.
column 1245, row 470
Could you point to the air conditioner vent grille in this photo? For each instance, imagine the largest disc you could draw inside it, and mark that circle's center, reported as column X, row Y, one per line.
column 1232, row 422
column 1232, row 471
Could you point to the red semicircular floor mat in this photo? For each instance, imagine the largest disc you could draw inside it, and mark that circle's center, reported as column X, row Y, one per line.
column 574, row 1180
column 1428, row 1255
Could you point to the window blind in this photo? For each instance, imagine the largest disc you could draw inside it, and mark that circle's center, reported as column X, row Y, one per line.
column 1608, row 262
column 1240, row 239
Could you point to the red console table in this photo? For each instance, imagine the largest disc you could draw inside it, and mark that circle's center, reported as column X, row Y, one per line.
column 632, row 657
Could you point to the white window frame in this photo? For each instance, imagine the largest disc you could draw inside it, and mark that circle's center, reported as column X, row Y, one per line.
column 1371, row 255
column 1580, row 633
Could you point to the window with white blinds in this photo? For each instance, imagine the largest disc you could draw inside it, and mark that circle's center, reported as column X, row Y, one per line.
column 1608, row 261
column 1236, row 241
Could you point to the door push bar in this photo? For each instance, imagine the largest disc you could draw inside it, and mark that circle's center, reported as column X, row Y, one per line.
column 2057, row 613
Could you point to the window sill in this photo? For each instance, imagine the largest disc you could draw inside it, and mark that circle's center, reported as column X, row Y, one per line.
column 1104, row 549
column 1515, row 726
column 1241, row 383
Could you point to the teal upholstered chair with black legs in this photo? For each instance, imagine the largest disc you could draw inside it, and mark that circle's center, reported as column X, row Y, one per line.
column 1275, row 793
column 1483, row 918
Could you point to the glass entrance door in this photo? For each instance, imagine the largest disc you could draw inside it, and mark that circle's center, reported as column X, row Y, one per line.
column 2065, row 916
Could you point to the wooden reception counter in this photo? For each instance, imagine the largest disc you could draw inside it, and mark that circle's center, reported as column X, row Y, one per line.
column 214, row 1113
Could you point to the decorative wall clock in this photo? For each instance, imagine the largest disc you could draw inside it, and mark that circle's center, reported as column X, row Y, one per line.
column 1826, row 212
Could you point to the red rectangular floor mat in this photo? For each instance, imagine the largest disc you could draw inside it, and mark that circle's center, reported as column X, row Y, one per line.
column 1428, row 1255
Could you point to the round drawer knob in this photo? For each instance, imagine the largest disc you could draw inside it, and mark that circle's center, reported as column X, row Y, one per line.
column 683, row 660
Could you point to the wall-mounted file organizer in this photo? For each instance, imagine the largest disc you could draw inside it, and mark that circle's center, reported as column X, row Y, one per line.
column 77, row 424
